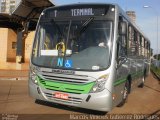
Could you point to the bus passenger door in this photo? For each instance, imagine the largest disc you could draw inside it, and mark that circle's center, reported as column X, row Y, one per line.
column 122, row 66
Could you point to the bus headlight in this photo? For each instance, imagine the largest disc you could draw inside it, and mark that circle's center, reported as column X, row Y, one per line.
column 33, row 76
column 100, row 84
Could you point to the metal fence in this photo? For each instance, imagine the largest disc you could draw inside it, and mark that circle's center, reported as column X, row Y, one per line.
column 156, row 63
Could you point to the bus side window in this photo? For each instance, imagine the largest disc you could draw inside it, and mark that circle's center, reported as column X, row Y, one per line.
column 122, row 43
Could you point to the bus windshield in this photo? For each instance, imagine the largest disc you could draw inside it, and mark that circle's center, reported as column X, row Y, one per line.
column 80, row 45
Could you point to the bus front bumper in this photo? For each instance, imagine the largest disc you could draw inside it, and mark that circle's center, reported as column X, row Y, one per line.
column 101, row 101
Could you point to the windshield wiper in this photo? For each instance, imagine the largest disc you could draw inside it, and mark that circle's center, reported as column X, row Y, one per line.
column 83, row 28
column 85, row 25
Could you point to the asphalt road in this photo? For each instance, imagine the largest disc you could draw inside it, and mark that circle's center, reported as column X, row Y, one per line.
column 15, row 102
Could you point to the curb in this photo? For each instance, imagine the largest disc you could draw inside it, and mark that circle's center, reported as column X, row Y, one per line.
column 14, row 78
column 157, row 76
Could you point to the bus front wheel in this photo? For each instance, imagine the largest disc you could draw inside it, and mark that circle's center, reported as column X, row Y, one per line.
column 125, row 94
column 142, row 83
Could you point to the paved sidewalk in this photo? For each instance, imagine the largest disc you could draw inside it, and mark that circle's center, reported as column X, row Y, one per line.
column 15, row 101
column 14, row 98
column 14, row 74
column 13, row 66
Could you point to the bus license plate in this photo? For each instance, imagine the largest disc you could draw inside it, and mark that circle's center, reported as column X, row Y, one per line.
column 61, row 95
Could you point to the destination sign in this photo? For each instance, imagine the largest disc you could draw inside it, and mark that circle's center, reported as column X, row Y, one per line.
column 82, row 12
column 76, row 12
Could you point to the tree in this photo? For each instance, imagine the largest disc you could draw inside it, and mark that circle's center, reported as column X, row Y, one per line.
column 155, row 56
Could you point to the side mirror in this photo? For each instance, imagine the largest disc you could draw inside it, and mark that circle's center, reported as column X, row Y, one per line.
column 122, row 27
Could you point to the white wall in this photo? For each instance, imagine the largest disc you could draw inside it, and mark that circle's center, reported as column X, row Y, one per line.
column 0, row 5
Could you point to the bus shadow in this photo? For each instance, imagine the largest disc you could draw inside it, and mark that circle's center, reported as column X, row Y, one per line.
column 152, row 88
column 156, row 77
column 70, row 108
column 153, row 116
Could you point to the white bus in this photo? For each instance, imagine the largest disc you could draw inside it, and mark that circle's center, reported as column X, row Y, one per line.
column 88, row 56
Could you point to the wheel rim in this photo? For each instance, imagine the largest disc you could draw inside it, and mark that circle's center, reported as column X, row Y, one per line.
column 143, row 79
column 125, row 92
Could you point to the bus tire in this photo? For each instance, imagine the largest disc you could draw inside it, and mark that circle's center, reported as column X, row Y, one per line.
column 37, row 101
column 142, row 83
column 143, row 79
column 125, row 94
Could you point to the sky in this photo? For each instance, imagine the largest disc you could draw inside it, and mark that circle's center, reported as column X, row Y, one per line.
column 146, row 18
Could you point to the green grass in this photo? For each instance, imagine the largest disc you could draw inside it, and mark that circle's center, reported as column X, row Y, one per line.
column 155, row 70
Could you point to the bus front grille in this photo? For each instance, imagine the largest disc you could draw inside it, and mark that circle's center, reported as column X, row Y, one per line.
column 66, row 78
column 75, row 84
column 65, row 87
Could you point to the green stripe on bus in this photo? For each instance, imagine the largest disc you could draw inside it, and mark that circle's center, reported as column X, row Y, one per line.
column 65, row 87
column 118, row 82
column 123, row 79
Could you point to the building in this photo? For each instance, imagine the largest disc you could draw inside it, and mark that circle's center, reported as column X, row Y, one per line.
column 8, row 6
column 8, row 39
column 15, row 45
column 8, row 44
column 132, row 15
